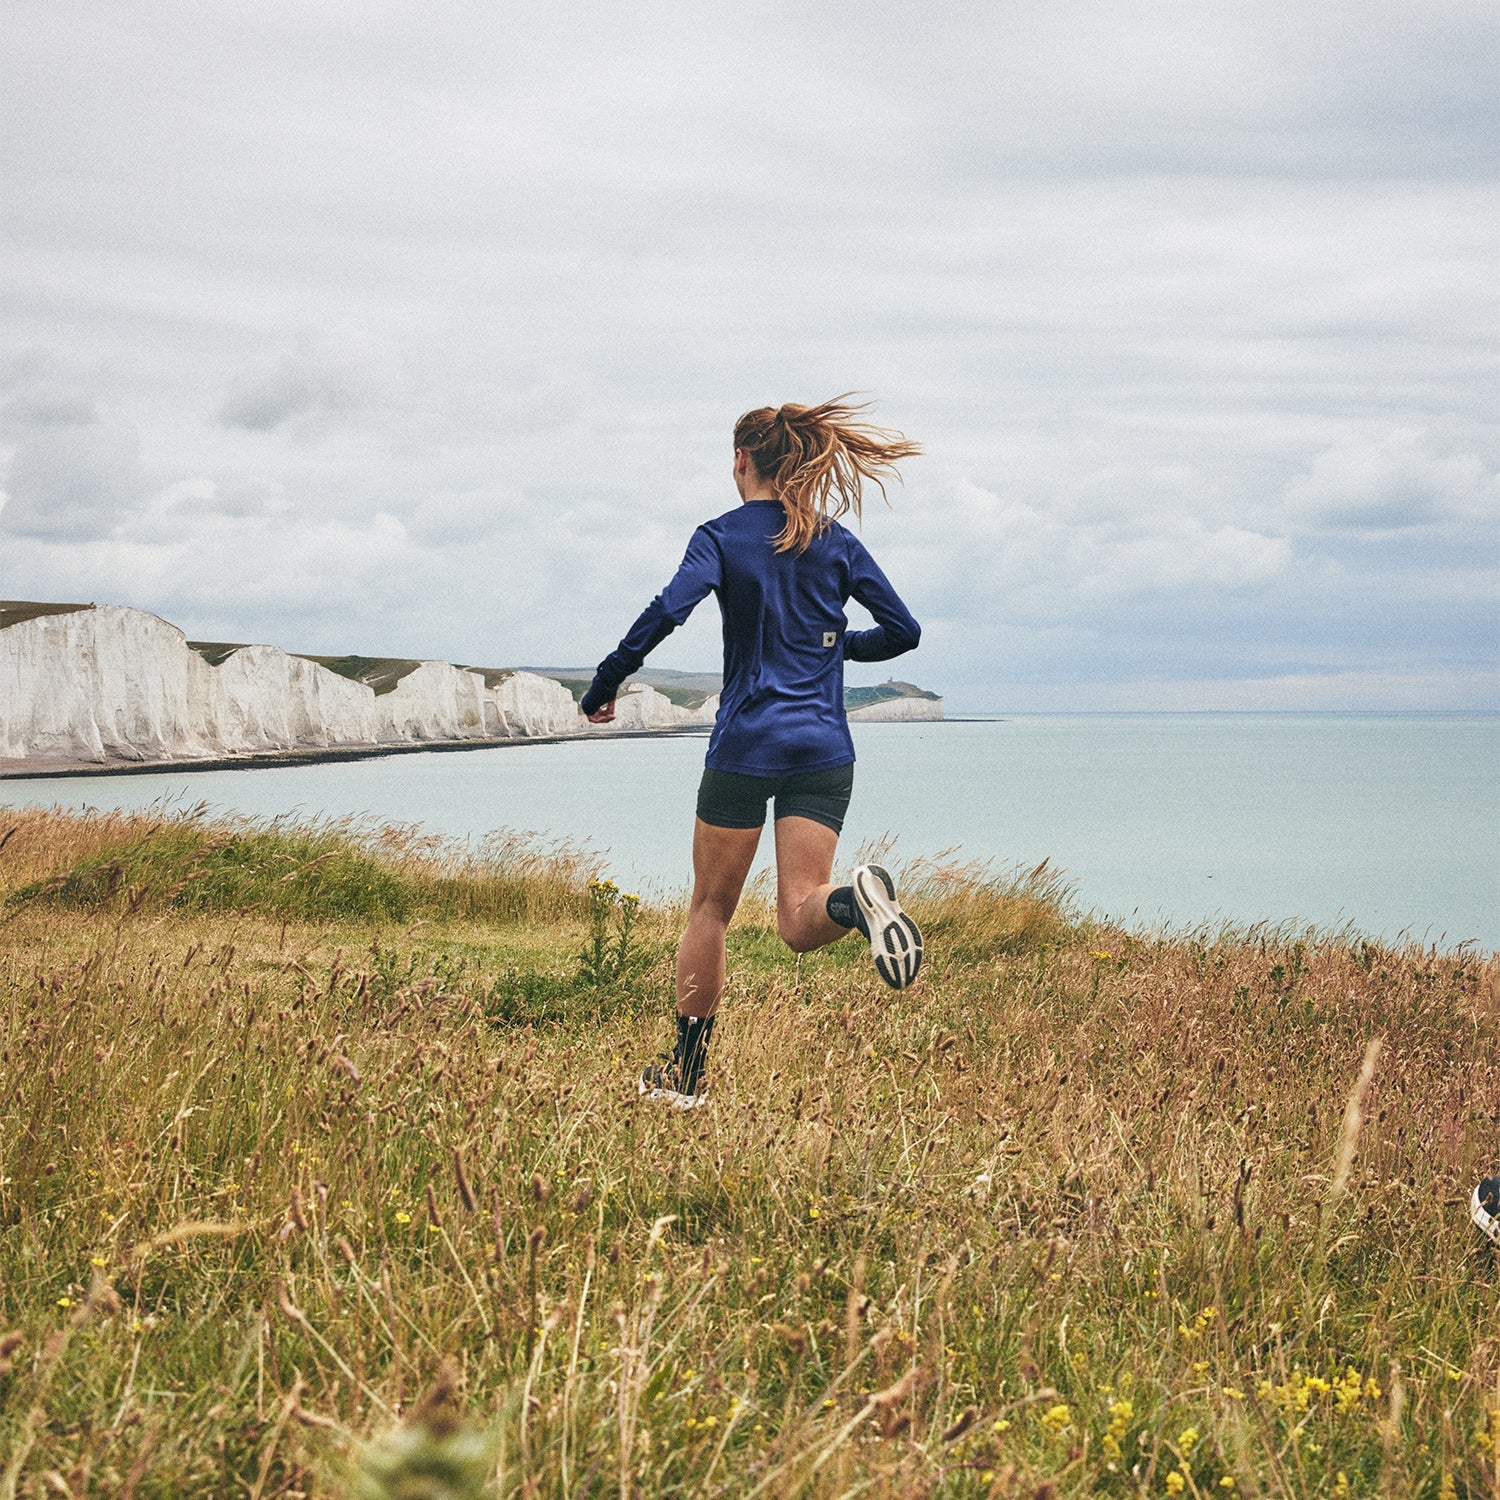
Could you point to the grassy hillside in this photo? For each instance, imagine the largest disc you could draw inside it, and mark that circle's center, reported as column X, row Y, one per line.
column 382, row 673
column 298, row 1121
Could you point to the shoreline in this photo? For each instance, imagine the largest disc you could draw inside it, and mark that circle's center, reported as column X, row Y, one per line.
column 38, row 769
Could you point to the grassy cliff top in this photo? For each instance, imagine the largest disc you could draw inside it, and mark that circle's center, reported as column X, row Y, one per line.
column 886, row 692
column 298, row 1119
column 18, row 611
column 381, row 673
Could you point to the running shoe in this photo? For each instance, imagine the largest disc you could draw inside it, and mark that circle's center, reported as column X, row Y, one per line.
column 895, row 940
column 1484, row 1209
column 664, row 1080
column 676, row 1077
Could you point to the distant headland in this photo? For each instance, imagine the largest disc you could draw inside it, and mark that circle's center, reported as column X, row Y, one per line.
column 88, row 688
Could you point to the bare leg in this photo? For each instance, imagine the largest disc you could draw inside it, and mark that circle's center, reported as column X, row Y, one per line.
column 804, row 862
column 721, row 861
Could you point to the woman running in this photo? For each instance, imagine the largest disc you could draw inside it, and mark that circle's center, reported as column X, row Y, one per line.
column 783, row 569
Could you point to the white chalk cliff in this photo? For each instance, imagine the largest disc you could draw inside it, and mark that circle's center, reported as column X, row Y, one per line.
column 897, row 711
column 110, row 683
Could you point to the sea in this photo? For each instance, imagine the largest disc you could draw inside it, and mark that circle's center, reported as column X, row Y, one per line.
column 1383, row 825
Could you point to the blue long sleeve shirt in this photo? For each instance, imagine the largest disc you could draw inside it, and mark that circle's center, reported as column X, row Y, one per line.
column 786, row 638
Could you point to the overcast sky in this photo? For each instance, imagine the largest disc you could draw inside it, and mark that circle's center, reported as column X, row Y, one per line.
column 420, row 329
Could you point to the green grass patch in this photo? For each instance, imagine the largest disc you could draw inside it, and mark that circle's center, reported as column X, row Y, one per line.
column 307, row 876
column 329, row 871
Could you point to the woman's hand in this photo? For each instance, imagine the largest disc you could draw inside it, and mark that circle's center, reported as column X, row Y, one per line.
column 605, row 715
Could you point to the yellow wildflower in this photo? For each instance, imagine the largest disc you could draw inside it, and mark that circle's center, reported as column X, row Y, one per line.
column 1056, row 1418
column 1186, row 1438
column 99, row 1261
column 1120, row 1413
column 1176, row 1484
column 403, row 1218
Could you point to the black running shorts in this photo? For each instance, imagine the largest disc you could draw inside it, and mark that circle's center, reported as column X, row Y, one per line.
column 728, row 799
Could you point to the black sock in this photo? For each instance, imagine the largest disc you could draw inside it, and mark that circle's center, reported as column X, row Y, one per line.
column 844, row 909
column 693, row 1033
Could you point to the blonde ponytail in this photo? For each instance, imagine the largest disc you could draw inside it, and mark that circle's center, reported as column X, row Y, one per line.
column 816, row 460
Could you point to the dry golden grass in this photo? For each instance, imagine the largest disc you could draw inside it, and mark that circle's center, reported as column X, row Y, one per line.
column 1063, row 1220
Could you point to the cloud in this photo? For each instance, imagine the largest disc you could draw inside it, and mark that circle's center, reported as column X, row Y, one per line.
column 1393, row 481
column 469, row 517
column 73, row 474
column 188, row 501
column 50, row 409
column 1023, row 560
column 310, row 387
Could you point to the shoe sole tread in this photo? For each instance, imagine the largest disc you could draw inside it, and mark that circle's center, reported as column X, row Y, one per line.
column 895, row 940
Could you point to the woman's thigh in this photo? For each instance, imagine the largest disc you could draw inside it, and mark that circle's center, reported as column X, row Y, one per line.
column 804, row 859
column 721, row 862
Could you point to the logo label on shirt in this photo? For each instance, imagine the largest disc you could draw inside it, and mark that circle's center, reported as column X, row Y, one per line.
column 830, row 638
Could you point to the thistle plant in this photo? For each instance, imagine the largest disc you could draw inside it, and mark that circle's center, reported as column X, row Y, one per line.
column 610, row 957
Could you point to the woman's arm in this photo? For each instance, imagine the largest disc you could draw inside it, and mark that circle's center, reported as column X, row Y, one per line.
column 896, row 630
column 700, row 572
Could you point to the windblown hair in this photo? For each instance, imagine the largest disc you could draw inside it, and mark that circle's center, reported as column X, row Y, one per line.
column 816, row 460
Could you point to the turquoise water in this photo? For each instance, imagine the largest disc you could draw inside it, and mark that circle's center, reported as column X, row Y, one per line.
column 1388, row 822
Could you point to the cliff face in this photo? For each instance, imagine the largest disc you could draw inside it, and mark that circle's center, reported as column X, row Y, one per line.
column 642, row 707
column 892, row 702
column 112, row 683
column 102, row 684
column 897, row 710
column 529, row 705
